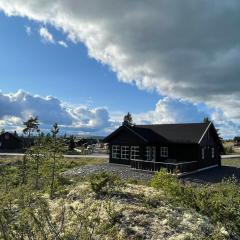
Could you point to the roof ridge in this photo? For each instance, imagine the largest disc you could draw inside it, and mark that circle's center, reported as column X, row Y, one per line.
column 157, row 124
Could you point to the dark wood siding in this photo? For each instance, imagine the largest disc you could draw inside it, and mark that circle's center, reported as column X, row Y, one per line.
column 208, row 143
column 9, row 142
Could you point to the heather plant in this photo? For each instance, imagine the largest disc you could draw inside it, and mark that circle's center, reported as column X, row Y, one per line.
column 220, row 202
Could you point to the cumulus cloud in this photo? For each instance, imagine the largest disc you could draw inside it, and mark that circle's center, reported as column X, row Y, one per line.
column 63, row 44
column 46, row 35
column 18, row 107
column 169, row 110
column 186, row 50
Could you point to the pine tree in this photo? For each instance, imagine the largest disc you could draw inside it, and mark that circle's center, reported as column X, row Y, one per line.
column 31, row 125
column 206, row 120
column 128, row 120
column 56, row 149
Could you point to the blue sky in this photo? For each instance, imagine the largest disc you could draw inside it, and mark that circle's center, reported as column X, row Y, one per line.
column 165, row 62
column 69, row 74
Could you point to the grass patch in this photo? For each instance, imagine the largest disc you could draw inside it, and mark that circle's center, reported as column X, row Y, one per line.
column 10, row 159
column 69, row 163
column 233, row 162
column 66, row 163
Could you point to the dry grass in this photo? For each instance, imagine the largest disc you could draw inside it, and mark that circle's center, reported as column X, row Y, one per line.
column 10, row 159
column 66, row 163
column 233, row 162
column 230, row 144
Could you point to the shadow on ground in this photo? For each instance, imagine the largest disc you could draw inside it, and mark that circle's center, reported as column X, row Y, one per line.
column 213, row 175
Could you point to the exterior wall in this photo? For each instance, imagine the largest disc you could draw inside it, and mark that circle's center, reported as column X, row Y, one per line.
column 125, row 138
column 208, row 142
column 176, row 153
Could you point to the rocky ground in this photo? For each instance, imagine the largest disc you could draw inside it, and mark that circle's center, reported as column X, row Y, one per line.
column 136, row 212
column 213, row 175
column 124, row 172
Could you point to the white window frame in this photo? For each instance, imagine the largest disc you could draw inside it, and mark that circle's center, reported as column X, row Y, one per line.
column 203, row 153
column 124, row 152
column 213, row 152
column 150, row 153
column 164, row 151
column 135, row 152
column 115, row 151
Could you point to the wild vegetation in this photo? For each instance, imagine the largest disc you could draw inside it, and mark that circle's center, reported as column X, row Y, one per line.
column 220, row 202
column 101, row 206
column 38, row 202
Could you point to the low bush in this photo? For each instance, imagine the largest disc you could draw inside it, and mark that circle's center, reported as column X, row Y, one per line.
column 103, row 183
column 220, row 202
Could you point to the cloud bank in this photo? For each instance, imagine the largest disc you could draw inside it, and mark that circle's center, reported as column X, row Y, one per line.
column 187, row 50
column 18, row 107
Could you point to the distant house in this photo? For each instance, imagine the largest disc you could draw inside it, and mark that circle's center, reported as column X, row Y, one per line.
column 9, row 141
column 237, row 141
column 177, row 147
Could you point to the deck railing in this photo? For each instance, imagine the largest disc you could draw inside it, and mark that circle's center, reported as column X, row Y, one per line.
column 156, row 166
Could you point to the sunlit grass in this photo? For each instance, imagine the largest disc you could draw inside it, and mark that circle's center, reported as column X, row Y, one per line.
column 233, row 162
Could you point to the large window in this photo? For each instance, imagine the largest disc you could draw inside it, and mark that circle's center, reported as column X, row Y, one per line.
column 125, row 152
column 134, row 152
column 213, row 153
column 150, row 153
column 203, row 153
column 164, row 151
column 115, row 151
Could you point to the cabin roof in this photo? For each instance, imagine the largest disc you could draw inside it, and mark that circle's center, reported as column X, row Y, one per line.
column 182, row 133
column 177, row 133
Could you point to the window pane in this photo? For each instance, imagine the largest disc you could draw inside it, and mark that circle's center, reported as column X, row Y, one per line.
column 115, row 151
column 203, row 153
column 150, row 153
column 134, row 152
column 164, row 151
column 213, row 153
column 125, row 152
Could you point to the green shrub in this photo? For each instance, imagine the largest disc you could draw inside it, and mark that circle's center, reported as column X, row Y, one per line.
column 220, row 202
column 103, row 183
column 167, row 182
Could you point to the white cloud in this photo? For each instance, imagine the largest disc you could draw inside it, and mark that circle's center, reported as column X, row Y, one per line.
column 63, row 44
column 186, row 50
column 169, row 110
column 18, row 107
column 28, row 30
column 46, row 35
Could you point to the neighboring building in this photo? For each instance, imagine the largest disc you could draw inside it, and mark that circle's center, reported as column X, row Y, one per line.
column 178, row 147
column 9, row 141
column 236, row 141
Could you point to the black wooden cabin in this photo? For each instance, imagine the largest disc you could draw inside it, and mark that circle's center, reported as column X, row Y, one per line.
column 177, row 147
column 9, row 141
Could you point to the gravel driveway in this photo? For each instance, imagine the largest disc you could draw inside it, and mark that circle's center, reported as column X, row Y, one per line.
column 124, row 172
column 213, row 175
